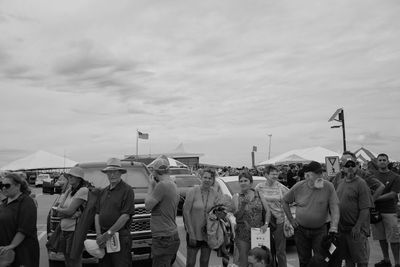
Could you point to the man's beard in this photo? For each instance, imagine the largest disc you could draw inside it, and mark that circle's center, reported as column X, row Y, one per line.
column 351, row 174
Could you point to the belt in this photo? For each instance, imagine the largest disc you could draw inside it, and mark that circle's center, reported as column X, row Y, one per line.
column 168, row 237
column 308, row 228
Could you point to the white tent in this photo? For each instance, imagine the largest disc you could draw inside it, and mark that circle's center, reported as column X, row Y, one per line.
column 292, row 159
column 40, row 160
column 308, row 154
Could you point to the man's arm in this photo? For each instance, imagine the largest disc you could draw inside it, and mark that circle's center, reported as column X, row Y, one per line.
column 334, row 210
column 378, row 192
column 388, row 196
column 286, row 209
column 151, row 201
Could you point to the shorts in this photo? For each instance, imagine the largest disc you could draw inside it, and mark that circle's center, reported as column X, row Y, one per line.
column 354, row 250
column 199, row 243
column 387, row 229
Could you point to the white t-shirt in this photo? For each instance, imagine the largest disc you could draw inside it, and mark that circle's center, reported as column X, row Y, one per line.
column 68, row 224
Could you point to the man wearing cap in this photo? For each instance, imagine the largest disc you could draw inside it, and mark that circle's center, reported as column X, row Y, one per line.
column 114, row 209
column 387, row 231
column 375, row 186
column 162, row 199
column 354, row 226
column 316, row 199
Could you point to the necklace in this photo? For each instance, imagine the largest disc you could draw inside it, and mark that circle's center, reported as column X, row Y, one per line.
column 205, row 201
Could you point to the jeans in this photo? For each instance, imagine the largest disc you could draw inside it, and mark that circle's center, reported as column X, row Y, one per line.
column 280, row 245
column 243, row 248
column 69, row 237
column 308, row 240
column 164, row 249
column 123, row 258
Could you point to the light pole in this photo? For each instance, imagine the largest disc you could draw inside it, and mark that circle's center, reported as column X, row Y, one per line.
column 269, row 147
column 340, row 114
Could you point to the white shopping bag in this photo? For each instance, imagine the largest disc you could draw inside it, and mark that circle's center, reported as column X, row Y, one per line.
column 259, row 239
column 113, row 245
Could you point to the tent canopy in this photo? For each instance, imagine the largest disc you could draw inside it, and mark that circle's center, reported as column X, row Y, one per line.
column 292, row 159
column 40, row 160
column 301, row 155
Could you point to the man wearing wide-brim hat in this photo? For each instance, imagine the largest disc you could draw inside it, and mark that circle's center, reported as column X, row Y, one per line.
column 113, row 214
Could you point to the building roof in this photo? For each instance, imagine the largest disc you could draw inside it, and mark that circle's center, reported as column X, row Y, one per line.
column 178, row 152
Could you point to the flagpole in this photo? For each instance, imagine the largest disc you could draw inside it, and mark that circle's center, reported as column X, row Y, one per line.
column 137, row 143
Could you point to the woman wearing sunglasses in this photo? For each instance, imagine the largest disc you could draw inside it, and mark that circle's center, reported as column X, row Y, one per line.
column 18, row 216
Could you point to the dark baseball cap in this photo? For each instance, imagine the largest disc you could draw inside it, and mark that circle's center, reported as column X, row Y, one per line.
column 313, row 166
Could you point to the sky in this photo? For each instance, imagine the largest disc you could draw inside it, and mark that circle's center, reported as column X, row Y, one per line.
column 79, row 78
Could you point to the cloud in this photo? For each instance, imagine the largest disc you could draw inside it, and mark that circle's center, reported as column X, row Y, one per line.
column 209, row 74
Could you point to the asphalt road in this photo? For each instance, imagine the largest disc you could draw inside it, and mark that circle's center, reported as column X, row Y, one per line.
column 45, row 202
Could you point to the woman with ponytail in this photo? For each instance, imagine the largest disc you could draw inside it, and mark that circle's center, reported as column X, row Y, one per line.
column 70, row 208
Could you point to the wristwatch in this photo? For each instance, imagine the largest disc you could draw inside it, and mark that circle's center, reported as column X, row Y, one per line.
column 110, row 233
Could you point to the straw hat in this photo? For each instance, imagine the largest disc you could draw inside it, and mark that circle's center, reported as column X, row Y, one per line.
column 114, row 164
column 76, row 172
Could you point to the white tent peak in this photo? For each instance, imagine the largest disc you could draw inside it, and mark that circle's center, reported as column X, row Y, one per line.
column 40, row 160
column 316, row 153
column 179, row 149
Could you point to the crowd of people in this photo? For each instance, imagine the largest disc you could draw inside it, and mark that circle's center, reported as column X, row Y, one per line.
column 335, row 209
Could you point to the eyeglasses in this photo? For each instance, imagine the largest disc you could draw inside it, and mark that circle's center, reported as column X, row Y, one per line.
column 7, row 186
column 350, row 164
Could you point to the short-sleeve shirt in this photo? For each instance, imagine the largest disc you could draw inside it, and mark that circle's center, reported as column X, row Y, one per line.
column 68, row 224
column 312, row 204
column 354, row 196
column 20, row 215
column 112, row 203
column 391, row 181
column 273, row 195
column 163, row 214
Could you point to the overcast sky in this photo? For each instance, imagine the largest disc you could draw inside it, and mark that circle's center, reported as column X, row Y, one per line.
column 218, row 76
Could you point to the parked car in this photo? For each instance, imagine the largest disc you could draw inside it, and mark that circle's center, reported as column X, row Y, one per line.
column 48, row 185
column 229, row 185
column 40, row 178
column 137, row 176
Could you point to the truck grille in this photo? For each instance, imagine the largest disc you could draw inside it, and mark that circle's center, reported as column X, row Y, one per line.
column 140, row 225
column 141, row 210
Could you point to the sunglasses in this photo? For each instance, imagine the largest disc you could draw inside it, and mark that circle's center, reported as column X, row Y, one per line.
column 7, row 186
column 350, row 164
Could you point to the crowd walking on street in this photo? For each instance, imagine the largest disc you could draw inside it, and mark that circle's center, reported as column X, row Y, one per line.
column 343, row 210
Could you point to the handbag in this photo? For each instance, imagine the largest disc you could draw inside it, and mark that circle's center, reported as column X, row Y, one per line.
column 56, row 241
column 375, row 215
column 288, row 229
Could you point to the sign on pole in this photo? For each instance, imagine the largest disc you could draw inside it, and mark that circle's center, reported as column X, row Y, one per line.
column 332, row 165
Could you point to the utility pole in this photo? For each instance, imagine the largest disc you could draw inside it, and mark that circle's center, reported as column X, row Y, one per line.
column 269, row 147
column 340, row 114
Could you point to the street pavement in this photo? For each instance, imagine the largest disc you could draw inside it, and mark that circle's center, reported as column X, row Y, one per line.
column 45, row 202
